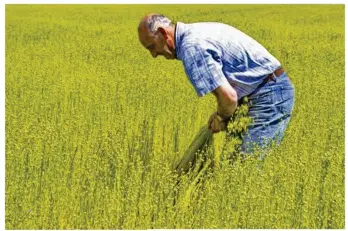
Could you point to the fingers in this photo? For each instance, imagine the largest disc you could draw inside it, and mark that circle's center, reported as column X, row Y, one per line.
column 223, row 126
column 209, row 123
column 215, row 126
column 218, row 126
column 211, row 119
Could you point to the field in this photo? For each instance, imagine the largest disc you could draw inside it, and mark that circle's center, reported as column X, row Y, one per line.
column 94, row 124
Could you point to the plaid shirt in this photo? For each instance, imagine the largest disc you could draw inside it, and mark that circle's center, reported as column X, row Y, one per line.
column 216, row 53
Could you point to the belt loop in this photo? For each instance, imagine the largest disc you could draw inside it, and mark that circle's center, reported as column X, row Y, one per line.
column 274, row 77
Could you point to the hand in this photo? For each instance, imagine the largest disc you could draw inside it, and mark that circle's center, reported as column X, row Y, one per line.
column 216, row 123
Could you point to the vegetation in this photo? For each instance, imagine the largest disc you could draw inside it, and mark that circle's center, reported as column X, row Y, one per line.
column 95, row 125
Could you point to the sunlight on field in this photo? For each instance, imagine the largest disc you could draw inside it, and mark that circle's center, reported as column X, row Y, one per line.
column 94, row 124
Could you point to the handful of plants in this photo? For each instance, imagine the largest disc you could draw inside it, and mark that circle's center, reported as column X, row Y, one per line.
column 198, row 148
column 236, row 127
column 198, row 160
column 202, row 149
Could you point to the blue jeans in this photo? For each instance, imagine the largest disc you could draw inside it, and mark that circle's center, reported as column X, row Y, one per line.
column 270, row 107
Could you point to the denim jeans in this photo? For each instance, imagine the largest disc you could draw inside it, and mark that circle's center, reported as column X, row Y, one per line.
column 270, row 107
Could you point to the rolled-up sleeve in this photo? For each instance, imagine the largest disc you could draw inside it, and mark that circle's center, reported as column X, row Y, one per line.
column 203, row 67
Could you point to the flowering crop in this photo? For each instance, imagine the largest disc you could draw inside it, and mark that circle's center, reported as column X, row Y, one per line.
column 95, row 125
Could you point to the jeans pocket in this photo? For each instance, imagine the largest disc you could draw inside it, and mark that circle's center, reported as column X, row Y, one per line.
column 287, row 92
column 287, row 96
column 263, row 95
column 262, row 108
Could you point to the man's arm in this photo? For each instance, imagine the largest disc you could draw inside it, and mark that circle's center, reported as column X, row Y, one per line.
column 227, row 100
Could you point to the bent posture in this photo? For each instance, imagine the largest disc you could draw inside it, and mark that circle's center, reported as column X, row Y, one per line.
column 222, row 60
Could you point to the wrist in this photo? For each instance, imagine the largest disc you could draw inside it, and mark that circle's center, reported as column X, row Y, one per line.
column 223, row 117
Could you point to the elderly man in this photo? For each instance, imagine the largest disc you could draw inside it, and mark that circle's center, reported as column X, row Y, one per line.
column 224, row 61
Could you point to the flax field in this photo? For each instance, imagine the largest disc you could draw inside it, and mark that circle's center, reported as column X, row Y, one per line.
column 94, row 124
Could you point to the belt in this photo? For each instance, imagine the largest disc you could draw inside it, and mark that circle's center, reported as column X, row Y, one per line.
column 269, row 77
column 276, row 73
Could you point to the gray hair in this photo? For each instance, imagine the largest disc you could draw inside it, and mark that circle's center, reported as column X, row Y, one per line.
column 157, row 20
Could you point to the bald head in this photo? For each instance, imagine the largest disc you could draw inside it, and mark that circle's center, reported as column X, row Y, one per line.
column 145, row 21
column 156, row 33
column 152, row 21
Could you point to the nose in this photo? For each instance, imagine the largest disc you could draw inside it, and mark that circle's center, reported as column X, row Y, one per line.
column 154, row 54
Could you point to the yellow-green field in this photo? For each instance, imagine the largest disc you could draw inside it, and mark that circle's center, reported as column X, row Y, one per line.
column 94, row 124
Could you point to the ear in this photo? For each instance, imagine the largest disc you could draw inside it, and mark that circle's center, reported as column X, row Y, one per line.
column 163, row 32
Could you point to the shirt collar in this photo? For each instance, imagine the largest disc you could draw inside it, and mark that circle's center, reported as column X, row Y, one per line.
column 179, row 35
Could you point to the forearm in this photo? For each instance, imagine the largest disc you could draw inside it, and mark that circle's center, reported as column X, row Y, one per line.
column 227, row 101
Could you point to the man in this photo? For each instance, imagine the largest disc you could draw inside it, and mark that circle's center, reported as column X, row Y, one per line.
column 222, row 60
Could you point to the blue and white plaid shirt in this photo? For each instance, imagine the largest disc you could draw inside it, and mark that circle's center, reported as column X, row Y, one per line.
column 216, row 53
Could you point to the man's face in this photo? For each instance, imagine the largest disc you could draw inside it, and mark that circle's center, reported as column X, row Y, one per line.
column 157, row 43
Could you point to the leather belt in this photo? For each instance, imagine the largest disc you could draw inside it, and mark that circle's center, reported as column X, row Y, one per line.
column 269, row 77
column 276, row 73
